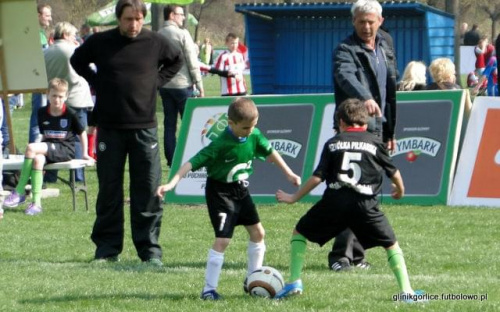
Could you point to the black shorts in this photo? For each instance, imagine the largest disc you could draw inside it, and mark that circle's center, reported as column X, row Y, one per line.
column 229, row 205
column 60, row 151
column 344, row 208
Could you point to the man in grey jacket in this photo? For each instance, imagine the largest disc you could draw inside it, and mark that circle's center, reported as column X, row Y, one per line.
column 175, row 93
column 364, row 67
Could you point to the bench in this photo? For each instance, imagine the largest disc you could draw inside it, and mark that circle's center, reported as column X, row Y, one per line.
column 15, row 162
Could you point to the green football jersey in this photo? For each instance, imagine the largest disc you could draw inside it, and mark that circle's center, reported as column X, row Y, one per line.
column 229, row 160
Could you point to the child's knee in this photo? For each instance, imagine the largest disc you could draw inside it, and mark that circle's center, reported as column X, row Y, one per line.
column 257, row 233
column 38, row 161
column 393, row 246
column 221, row 244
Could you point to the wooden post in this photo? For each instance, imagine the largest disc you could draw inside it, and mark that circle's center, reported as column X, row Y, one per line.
column 5, row 97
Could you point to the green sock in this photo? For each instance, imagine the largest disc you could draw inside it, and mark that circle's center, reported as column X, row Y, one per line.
column 25, row 175
column 398, row 266
column 298, row 250
column 36, row 186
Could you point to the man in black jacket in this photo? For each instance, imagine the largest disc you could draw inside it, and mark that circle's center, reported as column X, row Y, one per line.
column 131, row 63
column 364, row 67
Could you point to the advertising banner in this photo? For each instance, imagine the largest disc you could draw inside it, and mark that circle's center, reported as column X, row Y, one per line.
column 297, row 126
column 288, row 122
column 477, row 182
column 427, row 133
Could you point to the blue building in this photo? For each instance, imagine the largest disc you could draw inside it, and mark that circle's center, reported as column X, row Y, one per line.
column 291, row 45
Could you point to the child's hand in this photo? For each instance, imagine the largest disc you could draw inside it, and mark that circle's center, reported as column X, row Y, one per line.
column 90, row 159
column 295, row 179
column 396, row 192
column 162, row 189
column 283, row 197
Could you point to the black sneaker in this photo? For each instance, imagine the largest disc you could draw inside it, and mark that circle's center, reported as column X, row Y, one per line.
column 363, row 265
column 340, row 266
column 210, row 295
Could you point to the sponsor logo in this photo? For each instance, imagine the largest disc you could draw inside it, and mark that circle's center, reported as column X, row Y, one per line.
column 213, row 128
column 63, row 123
column 413, row 147
column 286, row 147
column 279, row 131
column 154, row 146
column 102, row 146
column 239, row 172
column 52, row 134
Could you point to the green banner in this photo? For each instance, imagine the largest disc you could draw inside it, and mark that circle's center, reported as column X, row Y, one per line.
column 298, row 125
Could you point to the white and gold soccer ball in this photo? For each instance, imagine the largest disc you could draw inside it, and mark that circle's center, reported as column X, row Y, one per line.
column 264, row 282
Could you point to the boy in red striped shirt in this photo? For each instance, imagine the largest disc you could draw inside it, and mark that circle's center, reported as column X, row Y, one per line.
column 229, row 65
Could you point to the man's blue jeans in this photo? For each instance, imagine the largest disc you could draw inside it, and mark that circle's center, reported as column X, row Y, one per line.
column 174, row 102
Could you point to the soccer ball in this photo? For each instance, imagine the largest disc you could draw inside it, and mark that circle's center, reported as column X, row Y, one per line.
column 265, row 282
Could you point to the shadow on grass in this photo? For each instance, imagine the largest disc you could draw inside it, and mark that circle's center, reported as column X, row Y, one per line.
column 123, row 296
column 111, row 297
column 167, row 266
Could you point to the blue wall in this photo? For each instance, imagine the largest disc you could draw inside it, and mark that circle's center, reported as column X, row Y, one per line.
column 291, row 46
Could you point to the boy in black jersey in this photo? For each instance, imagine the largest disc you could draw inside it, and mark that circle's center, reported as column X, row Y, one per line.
column 58, row 126
column 228, row 160
column 351, row 164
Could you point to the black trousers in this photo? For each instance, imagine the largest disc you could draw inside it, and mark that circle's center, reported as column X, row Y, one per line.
column 141, row 147
column 346, row 247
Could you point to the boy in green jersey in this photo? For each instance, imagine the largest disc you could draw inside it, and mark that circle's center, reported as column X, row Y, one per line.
column 228, row 160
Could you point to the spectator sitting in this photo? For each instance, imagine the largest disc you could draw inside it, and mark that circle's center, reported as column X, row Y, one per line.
column 414, row 77
column 443, row 74
column 59, row 126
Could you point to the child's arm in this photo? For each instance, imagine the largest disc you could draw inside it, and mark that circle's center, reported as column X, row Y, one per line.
column 398, row 187
column 222, row 73
column 162, row 189
column 276, row 158
column 283, row 197
column 85, row 146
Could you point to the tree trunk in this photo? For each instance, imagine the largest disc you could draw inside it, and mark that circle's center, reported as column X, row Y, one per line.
column 156, row 16
column 452, row 8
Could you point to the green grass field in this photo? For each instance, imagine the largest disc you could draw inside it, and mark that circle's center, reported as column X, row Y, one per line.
column 45, row 260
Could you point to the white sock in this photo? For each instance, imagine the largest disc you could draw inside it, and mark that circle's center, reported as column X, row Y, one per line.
column 255, row 254
column 214, row 267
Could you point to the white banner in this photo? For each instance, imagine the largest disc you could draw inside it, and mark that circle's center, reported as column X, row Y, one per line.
column 477, row 182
